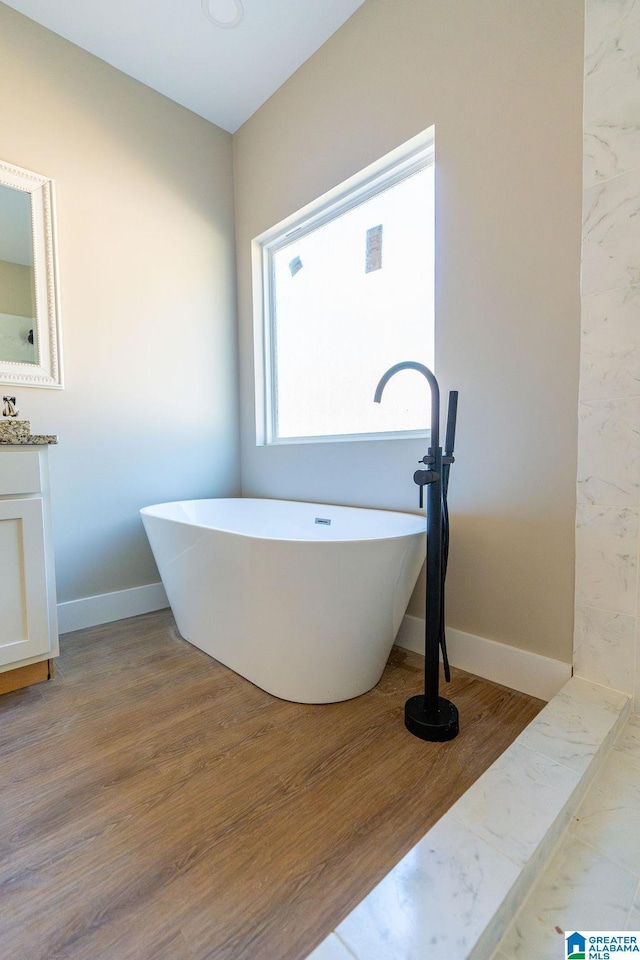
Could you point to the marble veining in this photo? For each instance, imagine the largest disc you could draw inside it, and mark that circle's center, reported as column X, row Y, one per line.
column 609, row 817
column 593, row 879
column 633, row 920
column 606, row 554
column 516, row 801
column 610, row 351
column 612, row 38
column 611, row 122
column 439, row 898
column 629, row 741
column 331, row 949
column 606, row 557
column 572, row 727
column 580, row 889
column 611, row 234
column 609, row 452
column 454, row 894
column 605, row 647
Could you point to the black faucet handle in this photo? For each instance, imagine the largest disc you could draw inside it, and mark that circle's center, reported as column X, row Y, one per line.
column 423, row 478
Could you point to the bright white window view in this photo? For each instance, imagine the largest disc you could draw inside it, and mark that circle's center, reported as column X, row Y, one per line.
column 348, row 291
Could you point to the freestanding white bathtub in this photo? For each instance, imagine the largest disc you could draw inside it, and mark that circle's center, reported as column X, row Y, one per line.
column 302, row 599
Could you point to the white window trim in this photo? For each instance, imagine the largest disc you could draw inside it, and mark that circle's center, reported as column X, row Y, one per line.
column 390, row 169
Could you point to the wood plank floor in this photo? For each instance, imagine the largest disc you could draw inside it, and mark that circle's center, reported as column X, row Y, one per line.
column 156, row 806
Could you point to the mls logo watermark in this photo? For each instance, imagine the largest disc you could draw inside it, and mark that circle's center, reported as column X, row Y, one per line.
column 576, row 946
column 601, row 944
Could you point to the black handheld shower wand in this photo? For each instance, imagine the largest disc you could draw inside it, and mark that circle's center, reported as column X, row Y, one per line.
column 429, row 716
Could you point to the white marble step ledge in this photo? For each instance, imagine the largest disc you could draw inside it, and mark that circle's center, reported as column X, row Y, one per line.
column 455, row 892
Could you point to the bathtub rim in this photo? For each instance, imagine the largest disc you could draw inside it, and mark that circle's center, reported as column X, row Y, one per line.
column 147, row 511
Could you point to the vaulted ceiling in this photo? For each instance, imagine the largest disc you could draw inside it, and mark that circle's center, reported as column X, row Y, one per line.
column 220, row 58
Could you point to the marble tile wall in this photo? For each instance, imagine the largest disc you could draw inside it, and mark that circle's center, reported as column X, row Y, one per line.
column 592, row 882
column 607, row 580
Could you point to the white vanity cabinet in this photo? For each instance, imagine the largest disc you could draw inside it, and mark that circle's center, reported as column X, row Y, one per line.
column 28, row 620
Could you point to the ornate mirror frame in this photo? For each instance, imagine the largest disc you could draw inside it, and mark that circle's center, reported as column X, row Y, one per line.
column 47, row 371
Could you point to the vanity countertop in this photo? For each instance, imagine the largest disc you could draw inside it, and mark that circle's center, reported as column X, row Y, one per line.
column 34, row 439
column 19, row 432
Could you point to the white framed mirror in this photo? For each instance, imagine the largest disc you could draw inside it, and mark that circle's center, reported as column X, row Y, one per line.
column 30, row 337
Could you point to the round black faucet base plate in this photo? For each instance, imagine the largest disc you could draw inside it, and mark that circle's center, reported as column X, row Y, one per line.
column 437, row 726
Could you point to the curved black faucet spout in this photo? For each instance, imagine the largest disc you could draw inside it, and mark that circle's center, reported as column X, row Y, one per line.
column 435, row 392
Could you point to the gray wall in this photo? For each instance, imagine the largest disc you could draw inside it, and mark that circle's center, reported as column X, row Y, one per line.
column 502, row 82
column 145, row 229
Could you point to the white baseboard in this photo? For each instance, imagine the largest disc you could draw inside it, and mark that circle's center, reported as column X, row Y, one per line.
column 519, row 669
column 107, row 607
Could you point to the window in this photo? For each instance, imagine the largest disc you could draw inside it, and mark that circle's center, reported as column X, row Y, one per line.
column 345, row 289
